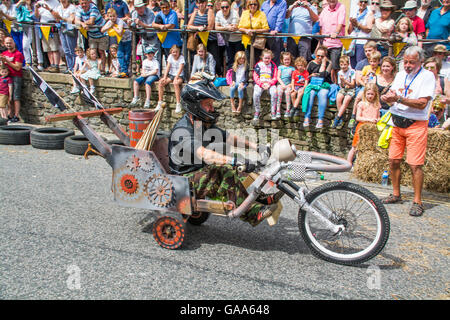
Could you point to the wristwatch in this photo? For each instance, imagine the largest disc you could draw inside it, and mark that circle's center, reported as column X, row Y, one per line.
column 400, row 99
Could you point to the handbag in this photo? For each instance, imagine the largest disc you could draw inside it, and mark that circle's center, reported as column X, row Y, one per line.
column 192, row 42
column 258, row 42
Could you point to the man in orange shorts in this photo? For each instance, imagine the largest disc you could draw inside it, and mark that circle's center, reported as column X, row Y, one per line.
column 411, row 94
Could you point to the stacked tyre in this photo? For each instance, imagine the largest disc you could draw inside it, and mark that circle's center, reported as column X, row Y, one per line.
column 78, row 144
column 51, row 138
column 15, row 134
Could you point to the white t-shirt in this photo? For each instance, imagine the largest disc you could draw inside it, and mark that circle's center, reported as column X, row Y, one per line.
column 233, row 18
column 150, row 65
column 348, row 76
column 175, row 65
column 79, row 62
column 422, row 86
column 45, row 15
column 66, row 12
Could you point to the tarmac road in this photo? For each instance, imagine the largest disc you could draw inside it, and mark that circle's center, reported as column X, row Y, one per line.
column 62, row 237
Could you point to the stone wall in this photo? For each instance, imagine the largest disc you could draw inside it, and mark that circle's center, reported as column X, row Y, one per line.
column 118, row 93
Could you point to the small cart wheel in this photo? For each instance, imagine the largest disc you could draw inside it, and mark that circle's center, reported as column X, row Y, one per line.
column 168, row 232
column 197, row 218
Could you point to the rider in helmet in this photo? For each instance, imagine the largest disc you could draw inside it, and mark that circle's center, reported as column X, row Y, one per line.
column 196, row 151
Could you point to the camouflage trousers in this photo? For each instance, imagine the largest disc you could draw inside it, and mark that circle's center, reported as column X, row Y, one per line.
column 223, row 183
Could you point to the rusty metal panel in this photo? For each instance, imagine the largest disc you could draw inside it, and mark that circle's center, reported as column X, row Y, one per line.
column 140, row 181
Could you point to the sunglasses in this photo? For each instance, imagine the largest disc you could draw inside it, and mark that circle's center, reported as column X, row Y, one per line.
column 430, row 67
column 252, row 4
column 375, row 3
column 318, row 55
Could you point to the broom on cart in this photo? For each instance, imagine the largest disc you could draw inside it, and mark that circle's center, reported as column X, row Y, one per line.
column 149, row 135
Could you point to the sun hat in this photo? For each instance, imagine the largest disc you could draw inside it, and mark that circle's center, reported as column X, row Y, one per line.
column 440, row 48
column 410, row 5
column 139, row 3
column 387, row 4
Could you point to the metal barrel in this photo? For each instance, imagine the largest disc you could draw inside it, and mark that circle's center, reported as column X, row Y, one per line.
column 138, row 121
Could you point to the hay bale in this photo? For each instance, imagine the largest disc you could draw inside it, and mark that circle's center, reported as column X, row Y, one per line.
column 372, row 161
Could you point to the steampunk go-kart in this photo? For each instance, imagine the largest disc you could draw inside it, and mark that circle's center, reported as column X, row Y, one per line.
column 340, row 222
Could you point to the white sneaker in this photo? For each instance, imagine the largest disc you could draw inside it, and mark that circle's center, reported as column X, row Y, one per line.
column 178, row 108
column 75, row 90
column 92, row 90
column 135, row 101
column 147, row 104
column 159, row 105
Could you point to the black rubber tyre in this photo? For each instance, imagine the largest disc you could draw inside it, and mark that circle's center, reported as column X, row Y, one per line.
column 116, row 141
column 3, row 121
column 168, row 232
column 77, row 144
column 198, row 218
column 50, row 138
column 359, row 210
column 15, row 134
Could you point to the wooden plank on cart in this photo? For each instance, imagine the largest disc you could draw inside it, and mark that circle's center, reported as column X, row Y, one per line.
column 84, row 114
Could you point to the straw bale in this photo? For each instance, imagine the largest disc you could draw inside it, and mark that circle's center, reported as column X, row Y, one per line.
column 372, row 161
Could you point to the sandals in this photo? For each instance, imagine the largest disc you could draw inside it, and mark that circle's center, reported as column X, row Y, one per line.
column 391, row 199
column 416, row 210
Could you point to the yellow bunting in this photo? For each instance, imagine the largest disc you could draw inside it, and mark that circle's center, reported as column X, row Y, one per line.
column 346, row 43
column 246, row 40
column 162, row 36
column 45, row 31
column 397, row 47
column 83, row 32
column 296, row 39
column 112, row 33
column 7, row 25
column 204, row 37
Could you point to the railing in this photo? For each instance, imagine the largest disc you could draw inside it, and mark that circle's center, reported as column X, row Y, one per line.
column 184, row 31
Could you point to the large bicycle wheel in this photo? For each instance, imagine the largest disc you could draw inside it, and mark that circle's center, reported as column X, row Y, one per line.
column 362, row 214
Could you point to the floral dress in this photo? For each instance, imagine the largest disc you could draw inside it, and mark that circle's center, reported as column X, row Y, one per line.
column 93, row 72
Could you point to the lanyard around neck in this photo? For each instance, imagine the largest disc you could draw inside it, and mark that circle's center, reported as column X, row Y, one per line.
column 414, row 78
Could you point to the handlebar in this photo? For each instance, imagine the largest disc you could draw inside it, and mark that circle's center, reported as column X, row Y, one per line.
column 338, row 164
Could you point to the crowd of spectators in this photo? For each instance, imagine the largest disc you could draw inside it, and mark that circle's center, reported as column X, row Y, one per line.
column 93, row 40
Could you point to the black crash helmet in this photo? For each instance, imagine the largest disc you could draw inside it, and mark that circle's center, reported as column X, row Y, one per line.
column 192, row 94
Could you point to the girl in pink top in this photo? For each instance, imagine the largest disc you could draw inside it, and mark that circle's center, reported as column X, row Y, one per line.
column 368, row 112
column 265, row 78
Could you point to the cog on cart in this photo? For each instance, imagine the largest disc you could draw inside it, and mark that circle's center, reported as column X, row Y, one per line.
column 133, row 163
column 127, row 186
column 146, row 163
column 159, row 190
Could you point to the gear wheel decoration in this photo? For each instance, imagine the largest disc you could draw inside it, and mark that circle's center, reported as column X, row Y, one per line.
column 127, row 186
column 146, row 164
column 133, row 163
column 159, row 190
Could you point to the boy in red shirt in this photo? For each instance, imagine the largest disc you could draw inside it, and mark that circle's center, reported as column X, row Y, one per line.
column 6, row 89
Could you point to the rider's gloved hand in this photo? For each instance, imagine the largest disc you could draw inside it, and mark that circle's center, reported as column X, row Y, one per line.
column 250, row 166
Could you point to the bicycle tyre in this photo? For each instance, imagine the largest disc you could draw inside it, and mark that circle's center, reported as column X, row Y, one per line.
column 313, row 236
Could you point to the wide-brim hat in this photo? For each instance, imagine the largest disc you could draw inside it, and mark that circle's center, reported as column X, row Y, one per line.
column 139, row 3
column 410, row 5
column 440, row 48
column 387, row 4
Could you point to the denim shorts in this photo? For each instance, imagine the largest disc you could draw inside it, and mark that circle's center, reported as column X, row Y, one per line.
column 148, row 80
